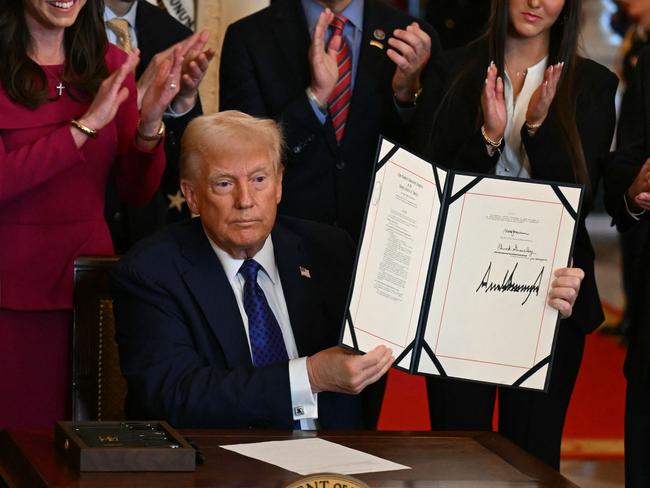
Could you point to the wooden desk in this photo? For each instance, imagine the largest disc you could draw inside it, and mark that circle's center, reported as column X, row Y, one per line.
column 438, row 459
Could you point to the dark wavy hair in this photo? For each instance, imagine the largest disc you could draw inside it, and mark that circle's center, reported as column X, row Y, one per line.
column 563, row 47
column 85, row 42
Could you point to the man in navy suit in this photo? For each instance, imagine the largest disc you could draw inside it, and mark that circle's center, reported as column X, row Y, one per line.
column 203, row 343
column 281, row 62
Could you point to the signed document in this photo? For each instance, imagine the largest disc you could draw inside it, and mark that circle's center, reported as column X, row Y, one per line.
column 454, row 269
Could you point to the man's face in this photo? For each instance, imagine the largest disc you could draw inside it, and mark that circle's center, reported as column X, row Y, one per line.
column 119, row 7
column 236, row 197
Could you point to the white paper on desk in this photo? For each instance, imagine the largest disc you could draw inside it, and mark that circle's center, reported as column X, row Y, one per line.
column 308, row 456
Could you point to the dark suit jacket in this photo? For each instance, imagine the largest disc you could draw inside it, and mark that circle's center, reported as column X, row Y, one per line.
column 455, row 141
column 458, row 22
column 156, row 31
column 626, row 128
column 183, row 346
column 264, row 72
column 626, row 163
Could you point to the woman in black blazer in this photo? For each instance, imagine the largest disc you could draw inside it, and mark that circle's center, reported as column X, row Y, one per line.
column 520, row 102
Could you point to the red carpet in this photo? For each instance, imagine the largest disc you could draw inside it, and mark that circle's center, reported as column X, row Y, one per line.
column 594, row 426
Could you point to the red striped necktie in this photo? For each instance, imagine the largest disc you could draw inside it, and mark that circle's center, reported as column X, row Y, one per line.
column 339, row 100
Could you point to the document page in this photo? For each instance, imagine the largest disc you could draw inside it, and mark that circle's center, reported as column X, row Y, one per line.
column 309, row 456
column 393, row 261
column 489, row 319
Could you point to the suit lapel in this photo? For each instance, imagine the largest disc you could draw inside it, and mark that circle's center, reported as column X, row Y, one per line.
column 207, row 281
column 298, row 289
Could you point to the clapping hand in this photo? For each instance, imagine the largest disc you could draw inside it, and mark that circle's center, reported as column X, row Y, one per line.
column 195, row 66
column 540, row 101
column 110, row 96
column 196, row 60
column 493, row 105
column 410, row 51
column 322, row 59
column 160, row 93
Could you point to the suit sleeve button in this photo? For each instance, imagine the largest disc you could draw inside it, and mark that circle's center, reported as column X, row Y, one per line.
column 340, row 164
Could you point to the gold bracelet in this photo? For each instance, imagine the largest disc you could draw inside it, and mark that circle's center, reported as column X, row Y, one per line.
column 489, row 141
column 155, row 137
column 83, row 128
column 532, row 128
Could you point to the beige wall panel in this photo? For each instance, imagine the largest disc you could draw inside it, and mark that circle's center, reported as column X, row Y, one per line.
column 216, row 16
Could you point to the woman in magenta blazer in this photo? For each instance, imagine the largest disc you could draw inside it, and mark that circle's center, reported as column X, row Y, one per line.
column 68, row 122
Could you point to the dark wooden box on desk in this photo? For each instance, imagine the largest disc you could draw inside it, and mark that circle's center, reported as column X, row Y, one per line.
column 123, row 446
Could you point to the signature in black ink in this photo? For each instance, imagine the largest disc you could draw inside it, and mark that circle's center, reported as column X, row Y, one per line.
column 515, row 250
column 512, row 232
column 509, row 285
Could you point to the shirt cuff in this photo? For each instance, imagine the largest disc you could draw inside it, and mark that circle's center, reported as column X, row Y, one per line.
column 320, row 114
column 634, row 215
column 170, row 112
column 303, row 401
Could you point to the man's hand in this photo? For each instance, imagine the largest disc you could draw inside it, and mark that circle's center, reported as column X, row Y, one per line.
column 410, row 50
column 322, row 59
column 638, row 195
column 195, row 64
column 337, row 370
column 564, row 290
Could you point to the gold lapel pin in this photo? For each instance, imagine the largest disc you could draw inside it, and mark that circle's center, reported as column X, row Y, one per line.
column 376, row 44
column 379, row 34
column 304, row 272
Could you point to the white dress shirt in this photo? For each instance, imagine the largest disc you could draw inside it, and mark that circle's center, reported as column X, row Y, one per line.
column 129, row 17
column 514, row 160
column 303, row 401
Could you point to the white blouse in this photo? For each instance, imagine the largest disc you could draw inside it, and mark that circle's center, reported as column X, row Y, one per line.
column 514, row 160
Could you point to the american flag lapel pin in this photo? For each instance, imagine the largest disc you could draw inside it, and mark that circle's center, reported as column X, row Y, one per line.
column 304, row 272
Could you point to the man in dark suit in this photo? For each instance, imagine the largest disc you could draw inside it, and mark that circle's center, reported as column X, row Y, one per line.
column 281, row 62
column 627, row 197
column 153, row 31
column 230, row 320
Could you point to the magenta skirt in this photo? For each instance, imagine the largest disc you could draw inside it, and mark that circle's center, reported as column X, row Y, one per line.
column 34, row 368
